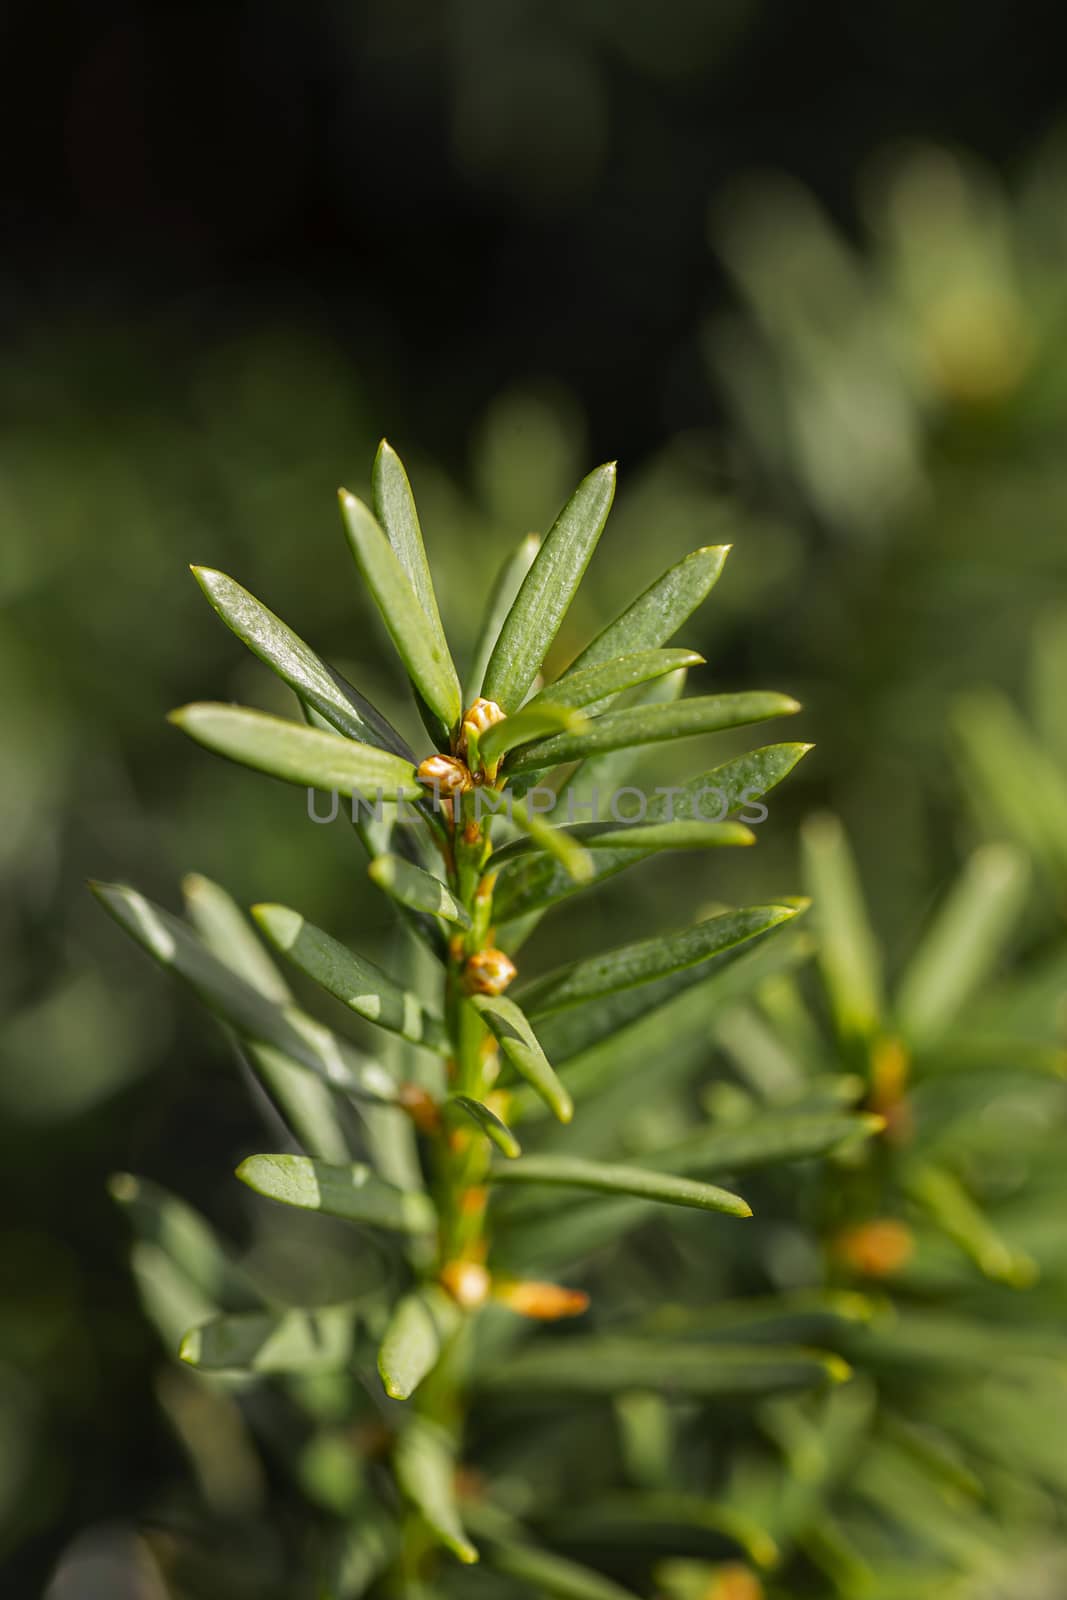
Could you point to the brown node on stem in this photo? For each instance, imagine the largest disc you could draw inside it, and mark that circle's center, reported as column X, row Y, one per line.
column 445, row 775
column 489, row 972
column 545, row 1302
column 474, row 1200
column 875, row 1249
column 467, row 1282
column 469, row 1483
column 372, row 1439
column 420, row 1106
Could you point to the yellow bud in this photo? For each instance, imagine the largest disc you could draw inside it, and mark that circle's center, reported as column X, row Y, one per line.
column 734, row 1582
column 467, row 1282
column 890, row 1070
column 875, row 1249
column 545, row 1302
column 489, row 972
column 482, row 714
column 477, row 720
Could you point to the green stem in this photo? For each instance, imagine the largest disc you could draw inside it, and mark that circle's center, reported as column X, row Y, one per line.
column 459, row 1164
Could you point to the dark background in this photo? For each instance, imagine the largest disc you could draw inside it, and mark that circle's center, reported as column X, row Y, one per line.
column 466, row 194
column 240, row 242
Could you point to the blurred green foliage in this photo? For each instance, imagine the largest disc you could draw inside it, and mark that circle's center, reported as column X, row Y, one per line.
column 902, row 398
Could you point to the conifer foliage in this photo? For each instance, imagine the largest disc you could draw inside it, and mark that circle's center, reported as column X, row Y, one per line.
column 475, row 1159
